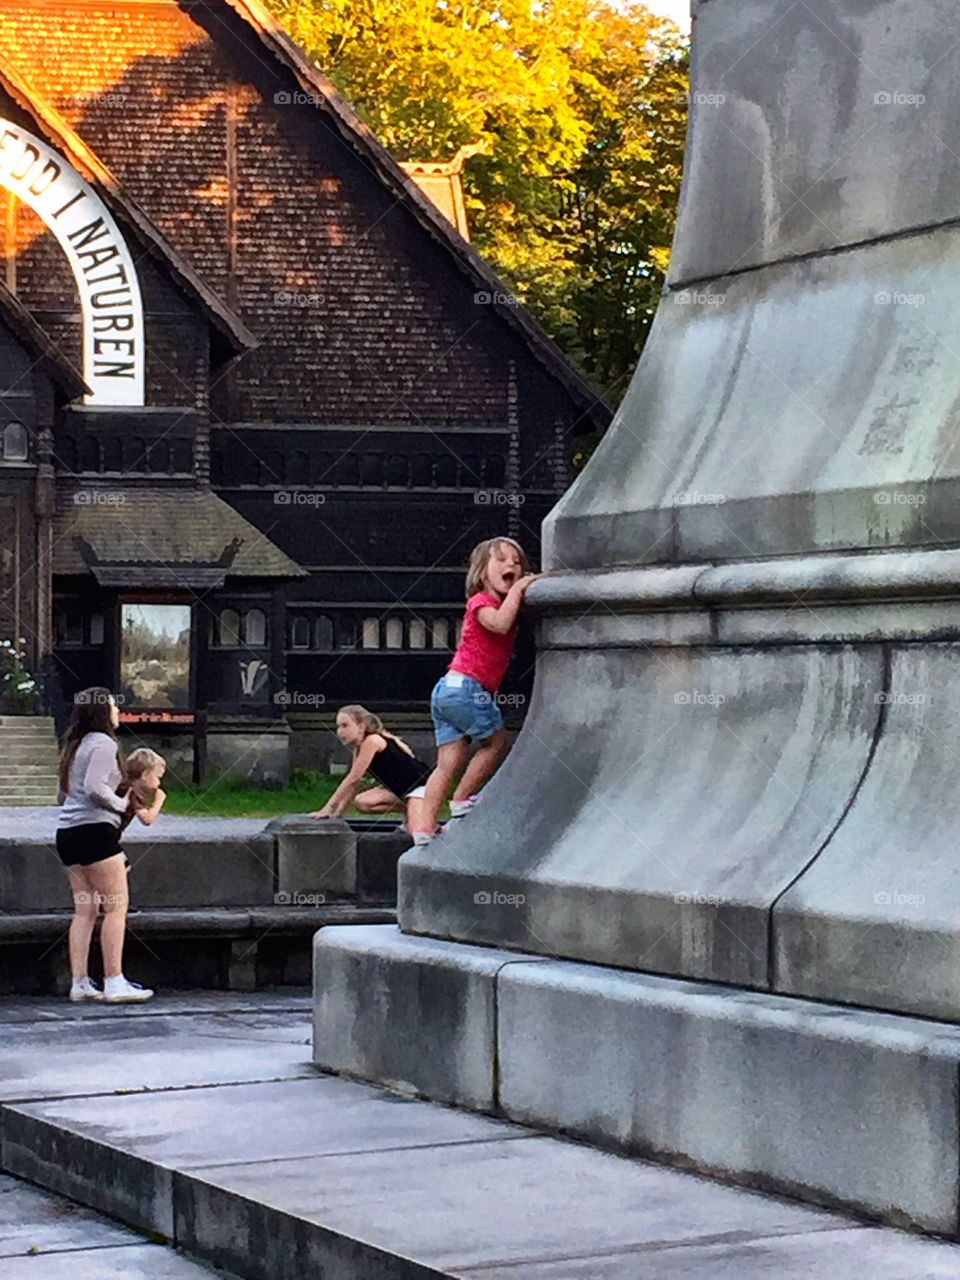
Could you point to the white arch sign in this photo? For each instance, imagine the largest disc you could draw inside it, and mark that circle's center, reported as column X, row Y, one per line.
column 114, row 350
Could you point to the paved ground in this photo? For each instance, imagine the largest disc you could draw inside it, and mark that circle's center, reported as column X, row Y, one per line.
column 202, row 1118
column 45, row 1237
column 40, row 822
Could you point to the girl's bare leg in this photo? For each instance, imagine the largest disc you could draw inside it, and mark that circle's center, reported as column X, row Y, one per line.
column 450, row 760
column 378, row 800
column 85, row 909
column 483, row 766
column 414, row 819
column 109, row 881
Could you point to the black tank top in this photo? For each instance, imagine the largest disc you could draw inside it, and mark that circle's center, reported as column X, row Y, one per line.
column 397, row 771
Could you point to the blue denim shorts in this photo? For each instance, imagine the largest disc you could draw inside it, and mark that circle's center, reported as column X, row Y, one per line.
column 462, row 708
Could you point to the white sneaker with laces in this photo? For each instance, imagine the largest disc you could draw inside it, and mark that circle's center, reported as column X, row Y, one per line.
column 83, row 990
column 120, row 990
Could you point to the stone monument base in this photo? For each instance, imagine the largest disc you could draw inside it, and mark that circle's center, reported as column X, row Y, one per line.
column 833, row 1105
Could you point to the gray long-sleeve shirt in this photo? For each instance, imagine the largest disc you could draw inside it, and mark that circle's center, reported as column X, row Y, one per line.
column 93, row 781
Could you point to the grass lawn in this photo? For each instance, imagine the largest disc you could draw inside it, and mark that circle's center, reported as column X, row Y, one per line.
column 235, row 798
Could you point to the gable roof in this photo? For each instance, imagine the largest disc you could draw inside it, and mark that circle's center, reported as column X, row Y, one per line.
column 322, row 92
column 233, row 333
column 40, row 345
column 178, row 536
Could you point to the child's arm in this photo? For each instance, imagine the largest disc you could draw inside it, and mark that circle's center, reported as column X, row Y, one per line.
column 503, row 618
column 342, row 798
column 149, row 815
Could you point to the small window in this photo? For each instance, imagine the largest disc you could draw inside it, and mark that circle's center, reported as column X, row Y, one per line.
column 183, row 460
column 458, row 632
column 469, row 476
column 113, row 454
column 495, row 473
column 255, row 628
column 348, row 633
column 229, row 628
column 371, row 633
column 323, row 469
column 323, row 633
column 159, row 457
column 15, row 444
column 96, row 628
column 69, row 628
column 134, row 454
column 440, row 633
column 347, row 469
column 299, row 632
column 373, row 469
column 90, row 454
column 394, row 630
column 65, row 458
column 398, row 471
column 421, row 471
column 417, row 634
column 445, row 472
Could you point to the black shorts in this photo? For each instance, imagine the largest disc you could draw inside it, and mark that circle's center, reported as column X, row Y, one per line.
column 89, row 842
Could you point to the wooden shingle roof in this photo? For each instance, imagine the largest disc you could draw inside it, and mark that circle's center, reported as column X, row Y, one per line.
column 147, row 537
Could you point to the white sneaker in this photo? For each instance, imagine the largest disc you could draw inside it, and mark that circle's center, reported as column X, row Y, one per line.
column 84, row 990
column 120, row 990
column 422, row 837
column 460, row 808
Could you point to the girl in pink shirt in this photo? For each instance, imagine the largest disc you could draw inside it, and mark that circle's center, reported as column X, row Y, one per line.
column 463, row 704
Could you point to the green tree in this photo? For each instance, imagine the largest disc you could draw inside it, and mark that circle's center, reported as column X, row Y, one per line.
column 578, row 108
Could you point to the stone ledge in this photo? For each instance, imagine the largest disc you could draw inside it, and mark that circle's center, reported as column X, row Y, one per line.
column 829, row 1104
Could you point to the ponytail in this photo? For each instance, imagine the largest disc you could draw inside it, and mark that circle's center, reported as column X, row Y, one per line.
column 373, row 724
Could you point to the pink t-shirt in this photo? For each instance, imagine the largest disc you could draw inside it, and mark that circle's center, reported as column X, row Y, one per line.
column 482, row 653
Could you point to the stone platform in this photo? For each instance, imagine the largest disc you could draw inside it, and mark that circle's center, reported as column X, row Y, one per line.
column 201, row 1118
column 835, row 1105
column 216, row 902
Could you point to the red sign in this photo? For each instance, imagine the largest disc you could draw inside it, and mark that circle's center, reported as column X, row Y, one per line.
column 156, row 717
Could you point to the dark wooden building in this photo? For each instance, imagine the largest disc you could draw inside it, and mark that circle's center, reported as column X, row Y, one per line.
column 285, row 396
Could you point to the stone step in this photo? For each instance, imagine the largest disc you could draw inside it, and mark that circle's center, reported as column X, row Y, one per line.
column 815, row 1100
column 19, row 722
column 336, row 1178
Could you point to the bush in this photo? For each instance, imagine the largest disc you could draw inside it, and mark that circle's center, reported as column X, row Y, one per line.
column 19, row 691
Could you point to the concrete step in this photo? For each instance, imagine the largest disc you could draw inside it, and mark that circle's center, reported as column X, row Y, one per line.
column 337, row 1178
column 815, row 1100
column 28, row 797
column 27, row 722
